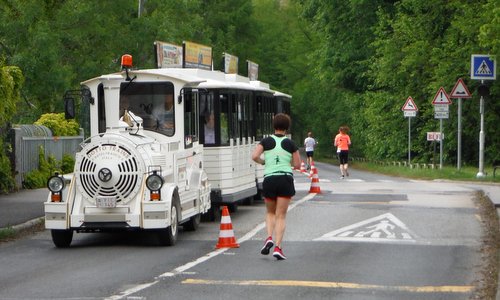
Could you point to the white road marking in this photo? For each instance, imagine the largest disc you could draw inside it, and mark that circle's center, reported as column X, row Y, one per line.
column 184, row 268
column 383, row 228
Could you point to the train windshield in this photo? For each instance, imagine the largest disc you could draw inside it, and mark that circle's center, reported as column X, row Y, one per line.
column 153, row 102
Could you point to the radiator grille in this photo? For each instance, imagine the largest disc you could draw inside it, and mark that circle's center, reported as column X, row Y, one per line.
column 109, row 170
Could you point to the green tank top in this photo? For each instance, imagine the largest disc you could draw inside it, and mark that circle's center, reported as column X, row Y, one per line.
column 277, row 159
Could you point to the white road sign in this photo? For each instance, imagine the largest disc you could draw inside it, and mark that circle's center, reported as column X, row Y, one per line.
column 482, row 67
column 441, row 115
column 435, row 136
column 409, row 105
column 441, row 107
column 460, row 90
column 410, row 113
column 441, row 97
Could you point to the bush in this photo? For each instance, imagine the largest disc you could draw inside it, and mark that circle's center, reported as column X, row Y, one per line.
column 46, row 168
column 59, row 125
column 67, row 163
column 7, row 183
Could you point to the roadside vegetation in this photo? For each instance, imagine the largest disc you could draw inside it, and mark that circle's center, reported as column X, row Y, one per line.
column 348, row 63
column 447, row 172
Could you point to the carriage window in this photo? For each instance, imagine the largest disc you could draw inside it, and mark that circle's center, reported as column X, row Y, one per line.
column 258, row 118
column 101, row 112
column 244, row 115
column 250, row 122
column 235, row 107
column 208, row 118
column 224, row 120
column 153, row 102
column 190, row 118
column 268, row 116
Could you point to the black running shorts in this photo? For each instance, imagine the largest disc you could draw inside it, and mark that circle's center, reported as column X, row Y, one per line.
column 343, row 157
column 278, row 186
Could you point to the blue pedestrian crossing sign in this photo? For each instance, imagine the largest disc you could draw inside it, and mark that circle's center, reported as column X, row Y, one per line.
column 482, row 67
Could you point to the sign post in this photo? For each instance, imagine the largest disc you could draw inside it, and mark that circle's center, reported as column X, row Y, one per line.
column 433, row 137
column 410, row 110
column 482, row 67
column 441, row 104
column 460, row 91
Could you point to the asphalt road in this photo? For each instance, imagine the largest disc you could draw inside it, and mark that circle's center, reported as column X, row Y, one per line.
column 364, row 237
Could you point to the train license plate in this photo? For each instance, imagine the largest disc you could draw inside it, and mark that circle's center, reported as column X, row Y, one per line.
column 106, row 202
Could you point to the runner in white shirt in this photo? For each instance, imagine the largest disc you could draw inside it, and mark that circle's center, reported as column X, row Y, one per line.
column 309, row 144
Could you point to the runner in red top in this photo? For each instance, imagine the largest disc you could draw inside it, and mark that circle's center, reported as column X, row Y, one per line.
column 342, row 142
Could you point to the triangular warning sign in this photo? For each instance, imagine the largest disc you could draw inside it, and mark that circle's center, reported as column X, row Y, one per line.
column 441, row 97
column 383, row 228
column 409, row 105
column 460, row 90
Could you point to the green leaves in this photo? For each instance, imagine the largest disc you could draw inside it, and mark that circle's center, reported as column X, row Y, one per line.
column 11, row 82
column 372, row 55
column 58, row 124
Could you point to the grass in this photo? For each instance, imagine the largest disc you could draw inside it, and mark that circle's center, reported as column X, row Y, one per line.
column 447, row 172
column 7, row 234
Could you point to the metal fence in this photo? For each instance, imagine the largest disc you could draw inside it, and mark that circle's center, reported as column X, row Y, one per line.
column 26, row 143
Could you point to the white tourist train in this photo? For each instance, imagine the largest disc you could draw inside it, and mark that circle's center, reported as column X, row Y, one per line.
column 165, row 147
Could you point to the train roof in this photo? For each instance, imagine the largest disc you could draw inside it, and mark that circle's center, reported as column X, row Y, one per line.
column 280, row 94
column 197, row 78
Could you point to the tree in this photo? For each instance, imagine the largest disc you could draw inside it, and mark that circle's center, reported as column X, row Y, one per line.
column 11, row 82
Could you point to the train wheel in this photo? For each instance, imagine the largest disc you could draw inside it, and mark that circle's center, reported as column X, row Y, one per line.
column 168, row 236
column 62, row 238
column 258, row 196
column 212, row 214
column 193, row 223
column 248, row 201
column 233, row 207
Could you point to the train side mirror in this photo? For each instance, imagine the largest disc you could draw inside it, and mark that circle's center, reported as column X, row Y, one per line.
column 69, row 107
column 179, row 99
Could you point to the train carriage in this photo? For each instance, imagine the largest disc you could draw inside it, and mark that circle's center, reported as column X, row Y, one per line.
column 166, row 146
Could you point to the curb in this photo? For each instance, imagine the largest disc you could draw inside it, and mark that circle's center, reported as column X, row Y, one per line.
column 26, row 225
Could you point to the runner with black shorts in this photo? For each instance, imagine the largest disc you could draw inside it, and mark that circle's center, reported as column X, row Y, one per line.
column 342, row 141
column 278, row 187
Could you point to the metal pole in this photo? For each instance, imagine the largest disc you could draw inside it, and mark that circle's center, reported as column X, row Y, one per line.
column 434, row 153
column 409, row 141
column 140, row 8
column 441, row 144
column 459, row 145
column 481, row 174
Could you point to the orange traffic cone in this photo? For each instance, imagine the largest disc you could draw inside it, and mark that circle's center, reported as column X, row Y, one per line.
column 311, row 172
column 303, row 167
column 314, row 181
column 226, row 234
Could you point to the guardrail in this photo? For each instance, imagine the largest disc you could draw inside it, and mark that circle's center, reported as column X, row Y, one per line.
column 397, row 163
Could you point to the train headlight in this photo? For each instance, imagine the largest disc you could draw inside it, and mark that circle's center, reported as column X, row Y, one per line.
column 55, row 184
column 154, row 182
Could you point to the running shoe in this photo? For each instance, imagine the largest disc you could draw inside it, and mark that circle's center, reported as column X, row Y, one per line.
column 268, row 244
column 278, row 253
column 342, row 177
